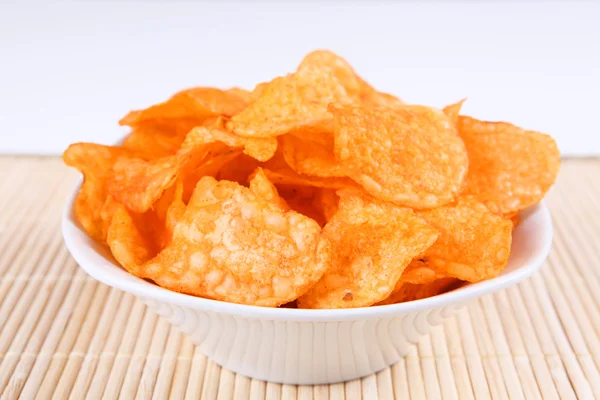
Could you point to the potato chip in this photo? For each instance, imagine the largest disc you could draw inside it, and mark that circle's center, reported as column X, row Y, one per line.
column 372, row 243
column 380, row 99
column 137, row 183
column 309, row 157
column 326, row 63
column 300, row 99
column 151, row 143
column 231, row 245
column 238, row 170
column 510, row 168
column 474, row 244
column 419, row 272
column 95, row 162
column 106, row 213
column 263, row 188
column 412, row 291
column 260, row 148
column 453, row 110
column 303, row 200
column 190, row 108
column 410, row 156
column 130, row 247
column 327, row 202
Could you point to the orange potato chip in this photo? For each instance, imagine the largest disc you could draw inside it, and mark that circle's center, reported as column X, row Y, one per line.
column 280, row 173
column 372, row 243
column 303, row 200
column 510, row 168
column 474, row 244
column 190, row 108
column 419, row 272
column 327, row 202
column 130, row 247
column 380, row 99
column 135, row 238
column 106, row 213
column 137, row 183
column 300, row 99
column 263, row 188
column 453, row 110
column 152, row 143
column 238, row 170
column 232, row 245
column 260, row 148
column 410, row 156
column 93, row 208
column 412, row 291
column 320, row 63
column 309, row 157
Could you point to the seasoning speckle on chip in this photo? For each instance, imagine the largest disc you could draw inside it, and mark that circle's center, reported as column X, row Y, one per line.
column 313, row 190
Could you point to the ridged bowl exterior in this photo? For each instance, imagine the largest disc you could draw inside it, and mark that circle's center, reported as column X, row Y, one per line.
column 302, row 353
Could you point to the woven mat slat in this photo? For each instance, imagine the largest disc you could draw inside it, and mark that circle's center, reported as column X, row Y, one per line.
column 64, row 335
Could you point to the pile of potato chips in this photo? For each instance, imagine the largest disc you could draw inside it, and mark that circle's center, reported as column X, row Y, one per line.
column 314, row 190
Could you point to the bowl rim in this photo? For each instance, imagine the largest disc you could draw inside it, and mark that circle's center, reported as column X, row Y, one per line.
column 73, row 235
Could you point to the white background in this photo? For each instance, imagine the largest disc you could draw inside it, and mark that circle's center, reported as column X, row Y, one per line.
column 70, row 70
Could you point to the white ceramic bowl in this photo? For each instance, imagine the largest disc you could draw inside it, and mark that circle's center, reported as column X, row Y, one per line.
column 307, row 346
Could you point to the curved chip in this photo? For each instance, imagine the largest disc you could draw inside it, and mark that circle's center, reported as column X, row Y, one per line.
column 474, row 244
column 453, row 110
column 304, row 200
column 411, row 291
column 410, row 156
column 151, row 143
column 190, row 107
column 137, row 183
column 238, row 170
column 310, row 157
column 93, row 208
column 263, row 188
column 510, row 168
column 261, row 149
column 130, row 247
column 300, row 99
column 372, row 243
column 231, row 245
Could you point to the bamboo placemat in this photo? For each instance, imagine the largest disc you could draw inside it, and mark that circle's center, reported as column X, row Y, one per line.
column 64, row 335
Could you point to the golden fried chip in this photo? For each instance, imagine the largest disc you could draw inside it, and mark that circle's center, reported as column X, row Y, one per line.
column 137, row 183
column 130, row 247
column 300, row 99
column 474, row 244
column 453, row 110
column 372, row 243
column 410, row 156
column 419, row 272
column 310, row 157
column 190, row 108
column 238, row 170
column 263, row 188
column 106, row 213
column 412, row 291
column 231, row 245
column 260, row 148
column 324, row 63
column 327, row 202
column 152, row 143
column 303, row 200
column 380, row 99
column 510, row 168
column 95, row 162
